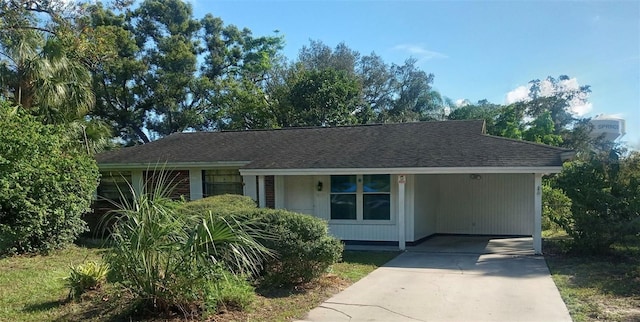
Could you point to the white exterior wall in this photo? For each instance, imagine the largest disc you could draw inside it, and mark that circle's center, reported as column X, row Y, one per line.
column 249, row 187
column 195, row 184
column 426, row 205
column 301, row 195
column 499, row 204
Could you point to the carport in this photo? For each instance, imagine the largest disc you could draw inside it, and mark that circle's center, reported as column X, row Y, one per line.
column 478, row 204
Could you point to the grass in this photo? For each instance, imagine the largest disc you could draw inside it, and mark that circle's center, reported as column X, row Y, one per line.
column 32, row 289
column 288, row 304
column 596, row 288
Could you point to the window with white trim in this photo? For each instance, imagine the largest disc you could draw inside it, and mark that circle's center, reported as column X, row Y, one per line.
column 361, row 197
column 221, row 181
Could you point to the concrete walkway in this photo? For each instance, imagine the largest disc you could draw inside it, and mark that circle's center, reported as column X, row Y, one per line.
column 452, row 286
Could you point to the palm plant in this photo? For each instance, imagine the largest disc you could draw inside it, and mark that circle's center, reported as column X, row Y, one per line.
column 169, row 258
column 37, row 74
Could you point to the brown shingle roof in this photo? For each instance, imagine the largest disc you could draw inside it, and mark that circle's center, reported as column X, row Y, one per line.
column 421, row 144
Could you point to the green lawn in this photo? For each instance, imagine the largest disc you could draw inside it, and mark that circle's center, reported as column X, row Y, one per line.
column 597, row 288
column 32, row 289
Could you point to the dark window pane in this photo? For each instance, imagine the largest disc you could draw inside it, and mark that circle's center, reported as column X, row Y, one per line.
column 343, row 206
column 343, row 184
column 220, row 182
column 115, row 185
column 376, row 207
column 376, row 183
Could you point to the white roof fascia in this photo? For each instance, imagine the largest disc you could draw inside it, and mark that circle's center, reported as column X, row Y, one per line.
column 439, row 170
column 173, row 165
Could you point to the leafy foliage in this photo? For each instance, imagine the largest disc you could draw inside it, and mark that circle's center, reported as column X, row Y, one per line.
column 46, row 184
column 556, row 208
column 604, row 190
column 222, row 204
column 87, row 276
column 173, row 72
column 38, row 74
column 303, row 245
column 173, row 260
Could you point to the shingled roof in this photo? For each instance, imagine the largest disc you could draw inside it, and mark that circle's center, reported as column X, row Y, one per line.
column 446, row 144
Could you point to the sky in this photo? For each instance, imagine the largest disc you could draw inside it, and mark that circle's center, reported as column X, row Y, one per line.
column 476, row 49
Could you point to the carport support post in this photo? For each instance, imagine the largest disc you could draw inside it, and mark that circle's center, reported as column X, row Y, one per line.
column 402, row 179
column 537, row 217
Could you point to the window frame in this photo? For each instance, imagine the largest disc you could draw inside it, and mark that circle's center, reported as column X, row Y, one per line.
column 205, row 183
column 360, row 193
column 116, row 182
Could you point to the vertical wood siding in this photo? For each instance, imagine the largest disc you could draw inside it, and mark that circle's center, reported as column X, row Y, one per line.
column 426, row 205
column 299, row 194
column 500, row 204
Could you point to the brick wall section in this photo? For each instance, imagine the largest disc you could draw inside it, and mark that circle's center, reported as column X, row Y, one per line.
column 179, row 178
column 270, row 191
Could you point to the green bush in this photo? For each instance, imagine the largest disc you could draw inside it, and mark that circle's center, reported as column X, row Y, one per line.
column 174, row 260
column 46, row 183
column 223, row 204
column 303, row 246
column 605, row 208
column 230, row 292
column 87, row 276
column 556, row 208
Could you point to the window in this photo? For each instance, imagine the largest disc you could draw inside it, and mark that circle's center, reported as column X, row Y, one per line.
column 376, row 197
column 361, row 197
column 343, row 197
column 221, row 181
column 115, row 185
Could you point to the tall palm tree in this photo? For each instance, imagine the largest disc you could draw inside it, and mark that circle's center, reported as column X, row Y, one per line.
column 36, row 74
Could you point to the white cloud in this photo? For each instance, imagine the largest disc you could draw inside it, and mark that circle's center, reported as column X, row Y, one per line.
column 577, row 106
column 462, row 102
column 521, row 93
column 420, row 52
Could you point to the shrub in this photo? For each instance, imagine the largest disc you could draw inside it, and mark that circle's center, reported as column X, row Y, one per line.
column 231, row 292
column 223, row 204
column 46, row 183
column 303, row 246
column 605, row 207
column 87, row 276
column 168, row 257
column 556, row 208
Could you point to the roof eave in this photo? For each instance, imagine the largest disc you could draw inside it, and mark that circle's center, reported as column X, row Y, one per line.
column 171, row 165
column 415, row 170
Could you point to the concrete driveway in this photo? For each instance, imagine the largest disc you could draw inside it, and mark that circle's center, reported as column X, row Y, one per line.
column 423, row 285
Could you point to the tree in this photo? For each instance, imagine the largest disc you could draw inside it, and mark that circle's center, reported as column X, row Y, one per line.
column 541, row 130
column 46, row 183
column 483, row 110
column 37, row 73
column 318, row 56
column 377, row 83
column 605, row 208
column 175, row 73
column 325, row 97
column 412, row 98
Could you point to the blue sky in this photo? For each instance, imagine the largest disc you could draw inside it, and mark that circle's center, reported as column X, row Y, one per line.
column 476, row 49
